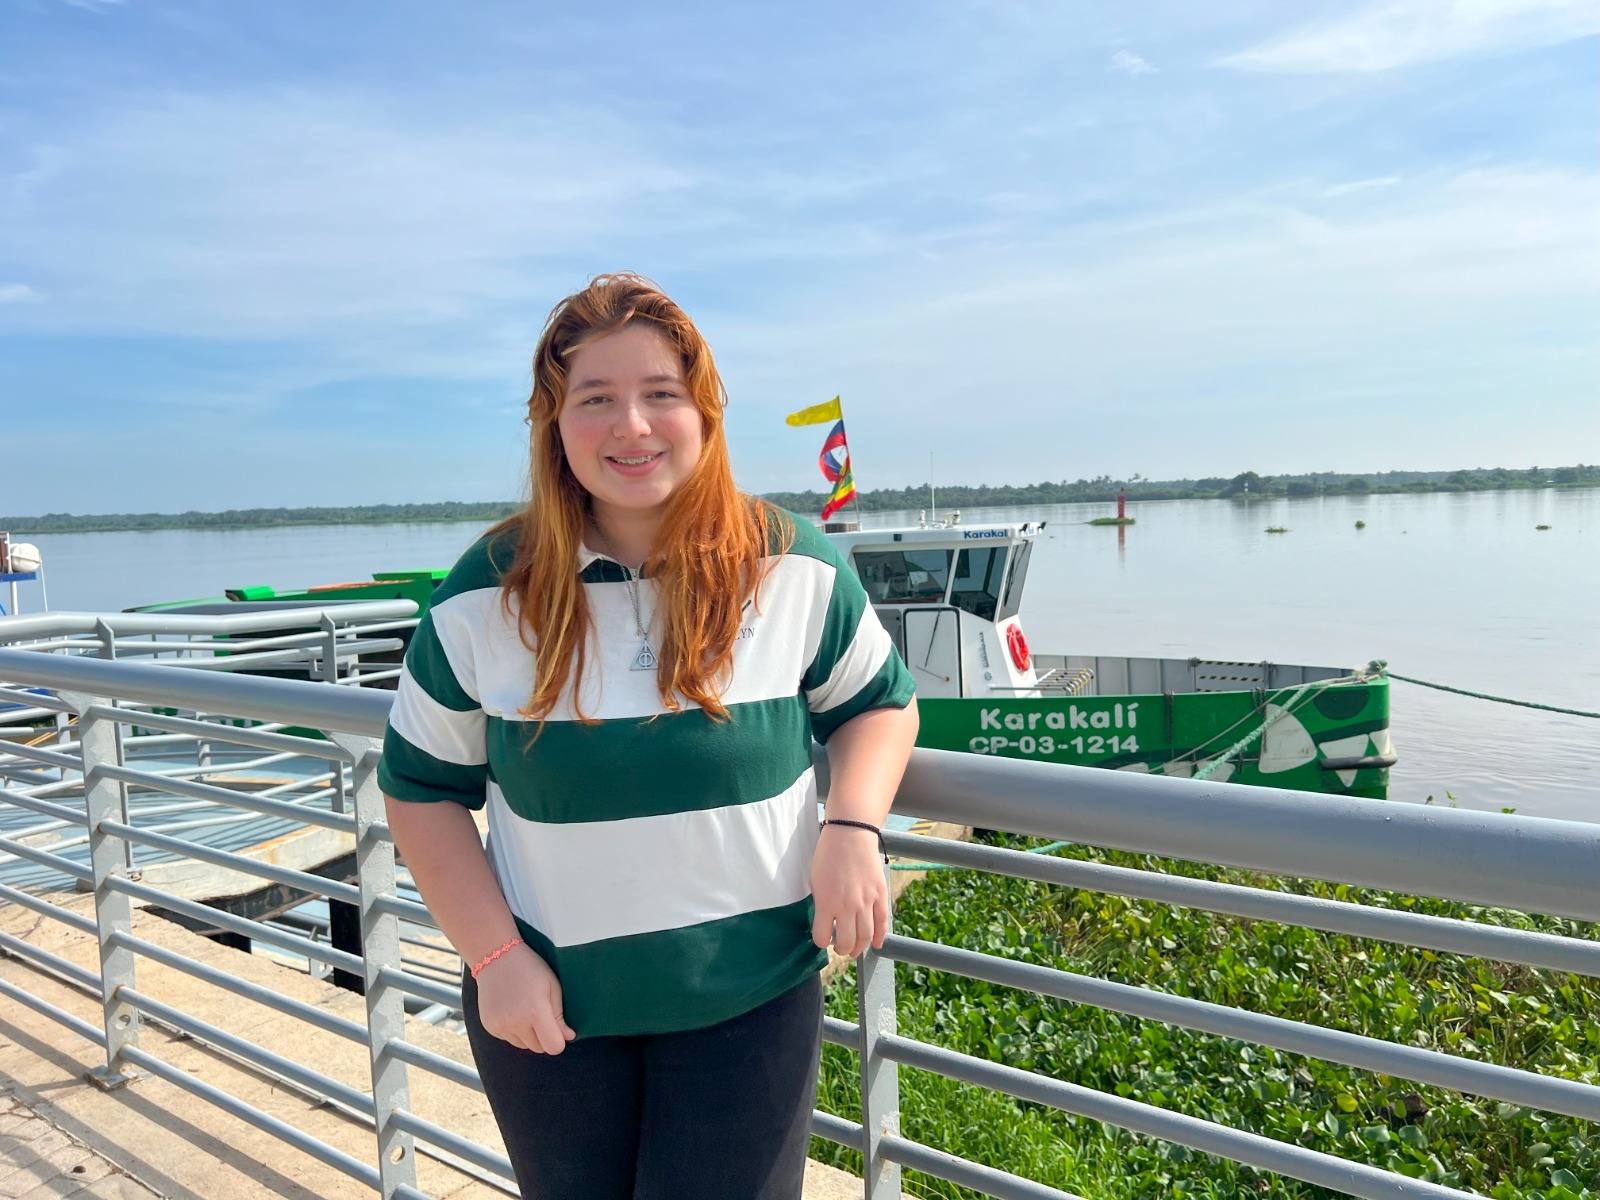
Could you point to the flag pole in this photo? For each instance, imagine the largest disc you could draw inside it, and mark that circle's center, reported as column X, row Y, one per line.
column 855, row 500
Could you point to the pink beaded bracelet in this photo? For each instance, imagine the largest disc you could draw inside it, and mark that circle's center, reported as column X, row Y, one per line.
column 477, row 970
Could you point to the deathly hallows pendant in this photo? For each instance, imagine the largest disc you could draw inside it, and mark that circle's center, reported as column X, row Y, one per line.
column 645, row 660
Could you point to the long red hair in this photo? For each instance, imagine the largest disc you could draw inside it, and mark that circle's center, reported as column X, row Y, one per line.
column 708, row 556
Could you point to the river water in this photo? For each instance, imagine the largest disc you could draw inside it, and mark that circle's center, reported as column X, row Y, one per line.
column 1459, row 588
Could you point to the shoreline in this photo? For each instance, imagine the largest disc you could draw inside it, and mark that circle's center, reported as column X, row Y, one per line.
column 883, row 500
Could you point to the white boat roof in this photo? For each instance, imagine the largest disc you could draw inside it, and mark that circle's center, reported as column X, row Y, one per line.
column 939, row 536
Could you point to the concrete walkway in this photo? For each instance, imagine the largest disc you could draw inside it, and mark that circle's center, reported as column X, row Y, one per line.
column 40, row 1160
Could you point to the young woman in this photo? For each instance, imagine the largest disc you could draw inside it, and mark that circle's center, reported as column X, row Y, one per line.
column 629, row 674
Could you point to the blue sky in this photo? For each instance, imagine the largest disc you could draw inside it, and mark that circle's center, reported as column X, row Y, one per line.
column 299, row 253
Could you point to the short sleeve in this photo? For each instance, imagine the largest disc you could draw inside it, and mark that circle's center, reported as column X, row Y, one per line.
column 434, row 748
column 856, row 667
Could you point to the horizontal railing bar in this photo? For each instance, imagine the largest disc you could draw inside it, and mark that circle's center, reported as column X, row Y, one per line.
column 51, row 758
column 435, row 972
column 312, row 639
column 218, row 732
column 251, row 1115
column 292, row 701
column 837, row 1129
column 1503, row 860
column 233, row 662
column 59, row 624
column 1449, row 934
column 60, row 1015
column 202, row 769
column 368, row 677
column 417, row 986
column 309, row 922
column 1237, row 1145
column 323, row 1086
column 406, row 910
column 45, row 859
column 34, row 700
column 44, row 808
column 437, row 1064
column 841, row 1033
column 1546, row 1092
column 16, row 720
column 302, row 880
column 479, row 1156
column 28, row 779
column 41, row 957
column 44, row 908
column 988, row 1180
column 255, row 930
column 342, row 822
column 309, row 1013
column 53, row 788
column 406, row 1192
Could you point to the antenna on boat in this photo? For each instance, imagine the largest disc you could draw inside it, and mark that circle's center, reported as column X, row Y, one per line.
column 933, row 501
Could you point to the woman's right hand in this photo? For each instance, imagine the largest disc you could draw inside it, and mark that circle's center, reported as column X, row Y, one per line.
column 519, row 1001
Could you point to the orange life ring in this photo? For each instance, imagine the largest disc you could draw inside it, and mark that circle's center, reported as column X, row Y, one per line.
column 1018, row 645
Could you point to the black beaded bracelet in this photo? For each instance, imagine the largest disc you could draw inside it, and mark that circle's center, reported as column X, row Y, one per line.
column 862, row 825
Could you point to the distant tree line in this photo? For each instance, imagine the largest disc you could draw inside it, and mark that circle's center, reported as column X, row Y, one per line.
column 1247, row 483
column 261, row 518
column 1101, row 488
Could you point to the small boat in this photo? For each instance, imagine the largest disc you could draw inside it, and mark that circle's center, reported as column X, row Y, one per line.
column 950, row 596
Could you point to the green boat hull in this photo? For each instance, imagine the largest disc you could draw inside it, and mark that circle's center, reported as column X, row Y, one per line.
column 1333, row 739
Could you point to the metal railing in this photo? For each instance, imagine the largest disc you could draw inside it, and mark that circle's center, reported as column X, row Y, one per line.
column 1527, row 864
column 324, row 641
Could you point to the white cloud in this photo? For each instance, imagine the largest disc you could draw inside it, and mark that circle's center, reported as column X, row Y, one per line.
column 16, row 293
column 1426, row 314
column 1398, row 33
column 1359, row 185
column 315, row 214
column 1129, row 63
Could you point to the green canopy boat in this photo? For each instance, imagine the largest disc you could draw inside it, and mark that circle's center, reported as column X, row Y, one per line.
column 950, row 596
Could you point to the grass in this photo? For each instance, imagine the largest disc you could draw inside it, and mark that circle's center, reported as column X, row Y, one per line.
column 1515, row 1015
column 1277, row 529
column 1113, row 521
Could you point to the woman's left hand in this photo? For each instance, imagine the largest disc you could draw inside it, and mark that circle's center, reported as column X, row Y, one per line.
column 852, row 895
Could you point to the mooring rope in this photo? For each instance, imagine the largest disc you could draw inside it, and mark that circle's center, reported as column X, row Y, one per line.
column 1380, row 666
column 1244, row 743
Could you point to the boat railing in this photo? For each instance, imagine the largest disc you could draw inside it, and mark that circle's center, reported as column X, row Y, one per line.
column 335, row 642
column 86, row 783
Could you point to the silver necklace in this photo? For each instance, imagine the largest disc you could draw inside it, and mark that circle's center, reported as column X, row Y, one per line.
column 645, row 660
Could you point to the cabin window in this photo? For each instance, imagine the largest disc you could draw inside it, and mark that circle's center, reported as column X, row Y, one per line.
column 979, row 574
column 904, row 576
column 1016, row 576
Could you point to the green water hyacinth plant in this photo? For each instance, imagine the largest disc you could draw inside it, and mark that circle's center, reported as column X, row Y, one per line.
column 1519, row 1016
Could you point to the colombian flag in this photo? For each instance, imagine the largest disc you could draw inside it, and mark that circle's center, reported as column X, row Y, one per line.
column 843, row 492
column 835, row 463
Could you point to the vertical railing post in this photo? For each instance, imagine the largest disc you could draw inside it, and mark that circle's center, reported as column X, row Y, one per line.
column 109, row 857
column 380, row 947
column 330, row 649
column 880, row 1077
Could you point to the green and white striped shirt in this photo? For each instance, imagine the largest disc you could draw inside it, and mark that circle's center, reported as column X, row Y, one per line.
column 659, row 862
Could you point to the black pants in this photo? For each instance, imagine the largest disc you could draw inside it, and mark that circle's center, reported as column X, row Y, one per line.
column 722, row 1113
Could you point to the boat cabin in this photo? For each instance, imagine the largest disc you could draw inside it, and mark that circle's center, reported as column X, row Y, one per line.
column 949, row 596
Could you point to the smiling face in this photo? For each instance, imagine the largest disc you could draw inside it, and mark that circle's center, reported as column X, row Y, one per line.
column 630, row 429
